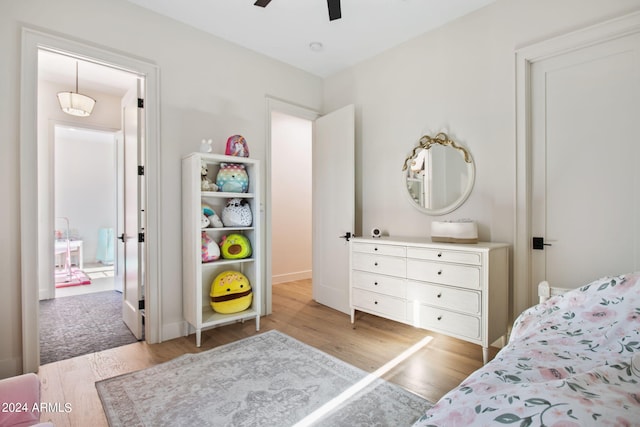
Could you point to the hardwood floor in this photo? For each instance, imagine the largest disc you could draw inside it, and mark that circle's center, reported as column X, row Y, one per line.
column 431, row 371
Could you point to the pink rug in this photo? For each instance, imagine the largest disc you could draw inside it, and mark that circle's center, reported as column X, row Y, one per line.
column 76, row 278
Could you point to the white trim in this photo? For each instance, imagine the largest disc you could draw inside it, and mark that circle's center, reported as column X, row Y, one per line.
column 274, row 104
column 525, row 57
column 291, row 277
column 31, row 232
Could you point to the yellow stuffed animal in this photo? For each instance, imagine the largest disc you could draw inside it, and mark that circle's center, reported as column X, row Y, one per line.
column 230, row 292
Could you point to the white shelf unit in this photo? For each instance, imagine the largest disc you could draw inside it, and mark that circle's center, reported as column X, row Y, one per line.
column 197, row 275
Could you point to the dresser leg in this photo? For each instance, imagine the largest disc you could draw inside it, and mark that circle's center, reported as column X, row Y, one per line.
column 198, row 337
column 485, row 355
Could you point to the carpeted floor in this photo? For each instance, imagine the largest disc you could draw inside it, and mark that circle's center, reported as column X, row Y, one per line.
column 269, row 379
column 83, row 324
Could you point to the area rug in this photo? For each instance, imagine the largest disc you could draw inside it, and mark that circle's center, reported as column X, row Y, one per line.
column 268, row 379
column 77, row 325
column 75, row 277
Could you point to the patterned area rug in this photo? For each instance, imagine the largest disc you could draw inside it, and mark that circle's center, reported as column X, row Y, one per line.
column 77, row 325
column 268, row 379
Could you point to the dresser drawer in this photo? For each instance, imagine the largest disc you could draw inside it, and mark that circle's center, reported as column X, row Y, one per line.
column 373, row 248
column 443, row 273
column 424, row 316
column 394, row 286
column 460, row 257
column 384, row 305
column 445, row 297
column 392, row 266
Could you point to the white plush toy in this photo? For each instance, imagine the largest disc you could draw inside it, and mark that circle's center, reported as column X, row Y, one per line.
column 211, row 217
column 205, row 183
column 237, row 213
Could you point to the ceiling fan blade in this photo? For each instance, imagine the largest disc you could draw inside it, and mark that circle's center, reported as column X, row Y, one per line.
column 262, row 3
column 334, row 9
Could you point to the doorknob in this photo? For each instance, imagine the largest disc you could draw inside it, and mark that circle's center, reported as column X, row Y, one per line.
column 538, row 243
column 346, row 236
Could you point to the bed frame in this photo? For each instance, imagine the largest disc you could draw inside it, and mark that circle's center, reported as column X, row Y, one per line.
column 545, row 291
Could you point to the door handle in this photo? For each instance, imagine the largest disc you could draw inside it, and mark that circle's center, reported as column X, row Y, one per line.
column 346, row 236
column 539, row 244
column 122, row 237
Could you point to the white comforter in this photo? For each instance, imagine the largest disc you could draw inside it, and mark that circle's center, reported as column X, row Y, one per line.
column 571, row 361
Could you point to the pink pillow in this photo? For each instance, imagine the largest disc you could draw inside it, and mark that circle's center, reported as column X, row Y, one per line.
column 18, row 397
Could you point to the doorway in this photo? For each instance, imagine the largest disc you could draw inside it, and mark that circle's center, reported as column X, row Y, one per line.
column 87, row 312
column 85, row 198
column 291, row 220
column 332, row 200
column 37, row 225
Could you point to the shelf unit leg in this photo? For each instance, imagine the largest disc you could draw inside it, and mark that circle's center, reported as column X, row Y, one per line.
column 198, row 337
column 485, row 355
column 257, row 323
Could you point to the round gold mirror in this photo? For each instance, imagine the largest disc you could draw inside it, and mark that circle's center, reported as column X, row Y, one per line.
column 438, row 175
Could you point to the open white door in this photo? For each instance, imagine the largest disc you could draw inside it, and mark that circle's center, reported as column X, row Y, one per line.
column 333, row 206
column 585, row 194
column 132, row 235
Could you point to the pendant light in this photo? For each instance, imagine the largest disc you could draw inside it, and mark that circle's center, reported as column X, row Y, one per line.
column 75, row 103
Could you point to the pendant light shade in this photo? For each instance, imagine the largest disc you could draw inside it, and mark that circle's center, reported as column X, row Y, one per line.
column 75, row 103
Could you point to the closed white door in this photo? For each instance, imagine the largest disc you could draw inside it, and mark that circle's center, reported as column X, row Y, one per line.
column 585, row 196
column 333, row 206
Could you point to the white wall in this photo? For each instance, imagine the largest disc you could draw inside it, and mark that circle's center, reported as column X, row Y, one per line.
column 208, row 88
column 460, row 77
column 290, row 197
column 85, row 184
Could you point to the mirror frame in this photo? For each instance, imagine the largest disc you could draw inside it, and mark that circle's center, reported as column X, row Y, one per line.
column 426, row 142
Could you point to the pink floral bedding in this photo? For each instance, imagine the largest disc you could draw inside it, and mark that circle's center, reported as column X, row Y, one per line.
column 571, row 361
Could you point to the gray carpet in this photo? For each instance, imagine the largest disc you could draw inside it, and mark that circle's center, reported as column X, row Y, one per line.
column 83, row 324
column 269, row 379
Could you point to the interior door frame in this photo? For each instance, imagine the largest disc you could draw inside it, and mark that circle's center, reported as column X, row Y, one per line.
column 275, row 104
column 32, row 204
column 524, row 290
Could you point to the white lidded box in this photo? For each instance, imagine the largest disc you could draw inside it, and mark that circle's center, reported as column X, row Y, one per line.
column 459, row 231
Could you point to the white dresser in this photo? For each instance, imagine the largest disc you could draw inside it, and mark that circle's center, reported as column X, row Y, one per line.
column 461, row 290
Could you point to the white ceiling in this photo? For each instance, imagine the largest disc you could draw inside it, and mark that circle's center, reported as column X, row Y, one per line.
column 285, row 28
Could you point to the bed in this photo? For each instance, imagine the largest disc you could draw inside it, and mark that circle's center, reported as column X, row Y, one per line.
column 572, row 360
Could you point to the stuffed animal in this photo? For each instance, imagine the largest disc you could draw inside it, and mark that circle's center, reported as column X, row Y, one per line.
column 205, row 183
column 237, row 213
column 210, row 249
column 230, row 292
column 237, row 146
column 206, row 146
column 232, row 178
column 235, row 246
column 211, row 216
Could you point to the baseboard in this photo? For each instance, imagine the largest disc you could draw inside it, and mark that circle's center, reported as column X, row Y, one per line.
column 10, row 367
column 290, row 277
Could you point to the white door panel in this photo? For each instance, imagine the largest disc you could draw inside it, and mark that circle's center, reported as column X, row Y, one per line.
column 133, row 260
column 585, row 183
column 333, row 206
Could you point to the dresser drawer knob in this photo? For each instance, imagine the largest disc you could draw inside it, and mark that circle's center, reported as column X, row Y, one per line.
column 375, row 263
column 440, row 317
column 439, row 295
column 439, row 254
column 375, row 249
column 439, row 272
column 375, row 302
column 375, row 283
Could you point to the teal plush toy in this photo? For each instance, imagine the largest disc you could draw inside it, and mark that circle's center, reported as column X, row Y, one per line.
column 232, row 178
